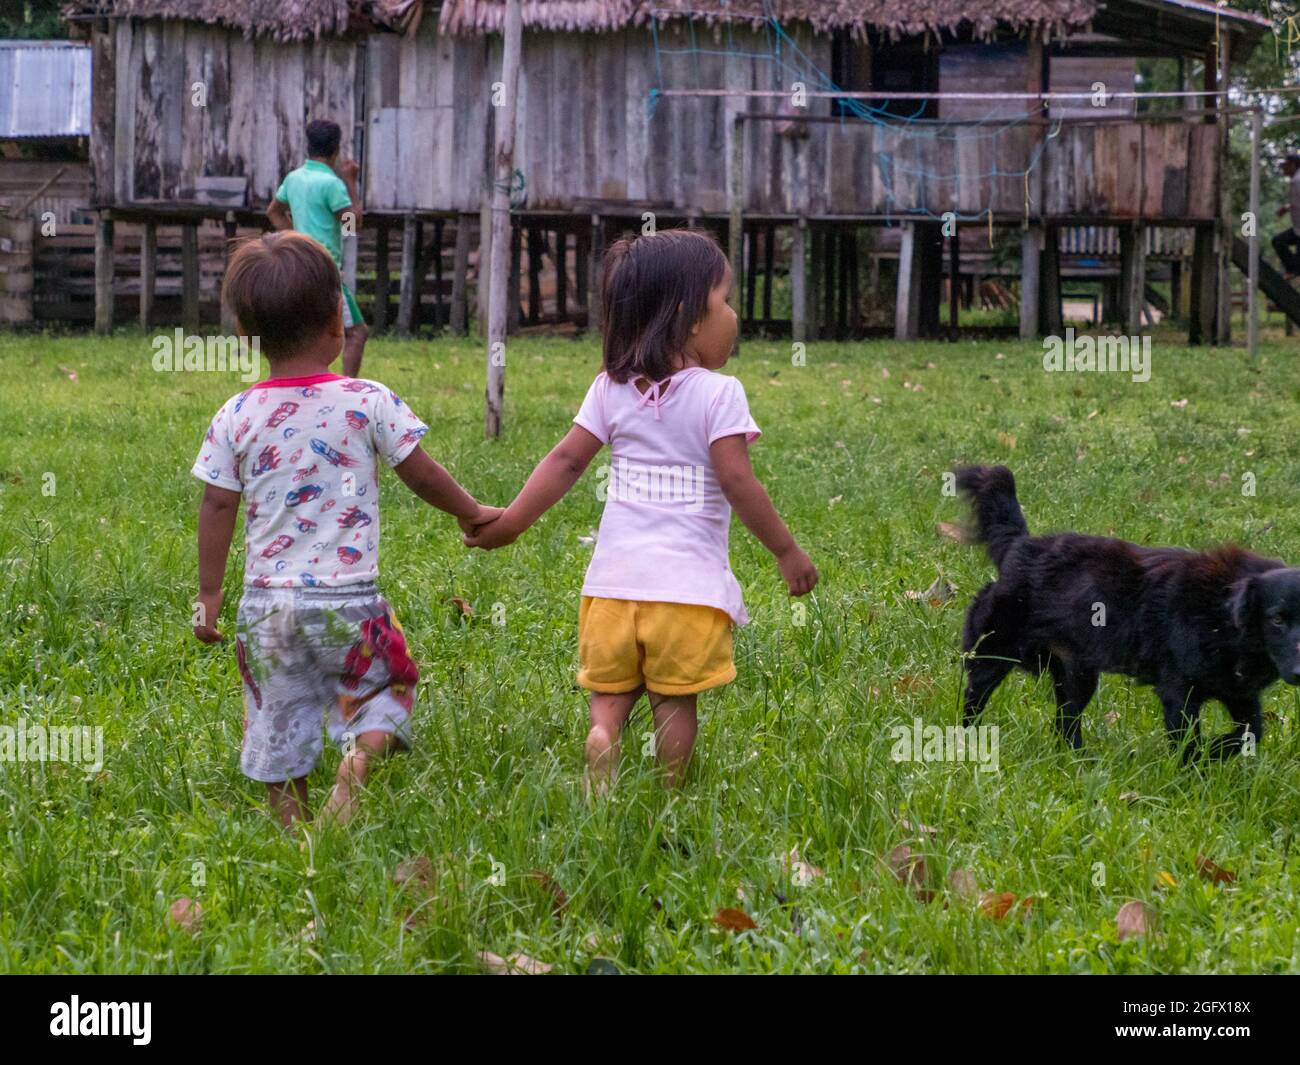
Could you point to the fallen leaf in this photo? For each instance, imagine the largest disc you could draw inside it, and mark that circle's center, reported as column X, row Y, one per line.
column 961, row 882
column 1007, row 440
column 1164, row 879
column 948, row 531
column 918, row 827
column 462, row 605
column 997, row 904
column 1213, row 872
column 516, row 964
column 910, row 870
column 1131, row 920
column 1180, row 403
column 937, row 594
column 187, row 915
column 1129, row 797
column 417, row 871
column 801, row 873
column 884, row 372
column 909, row 683
column 559, row 900
column 733, row 920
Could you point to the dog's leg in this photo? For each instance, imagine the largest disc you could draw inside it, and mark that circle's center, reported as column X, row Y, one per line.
column 1245, row 712
column 983, row 675
column 1182, row 718
column 1075, row 686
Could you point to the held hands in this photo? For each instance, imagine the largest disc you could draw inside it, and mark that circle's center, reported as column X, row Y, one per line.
column 206, row 610
column 497, row 532
column 797, row 568
column 484, row 516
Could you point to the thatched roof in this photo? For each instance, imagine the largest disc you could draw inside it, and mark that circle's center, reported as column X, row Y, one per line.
column 283, row 20
column 897, row 16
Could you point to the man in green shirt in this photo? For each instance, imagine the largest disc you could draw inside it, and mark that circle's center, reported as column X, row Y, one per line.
column 320, row 199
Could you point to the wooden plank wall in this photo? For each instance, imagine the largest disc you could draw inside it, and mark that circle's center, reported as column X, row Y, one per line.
column 588, row 136
column 69, row 194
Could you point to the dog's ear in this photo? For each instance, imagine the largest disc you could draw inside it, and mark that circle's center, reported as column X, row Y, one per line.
column 1243, row 595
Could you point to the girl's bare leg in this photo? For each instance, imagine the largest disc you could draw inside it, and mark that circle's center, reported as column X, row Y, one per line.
column 609, row 713
column 675, row 728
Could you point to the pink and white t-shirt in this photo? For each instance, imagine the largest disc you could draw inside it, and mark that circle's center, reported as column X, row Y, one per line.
column 664, row 534
column 304, row 452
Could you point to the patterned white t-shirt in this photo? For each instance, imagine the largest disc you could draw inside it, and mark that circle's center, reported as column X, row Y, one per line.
column 304, row 452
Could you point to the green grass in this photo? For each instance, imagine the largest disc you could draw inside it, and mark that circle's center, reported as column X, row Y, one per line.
column 96, row 582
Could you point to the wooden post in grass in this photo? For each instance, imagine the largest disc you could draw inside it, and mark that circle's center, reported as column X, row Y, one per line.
column 504, row 170
column 907, row 303
column 736, row 212
column 460, row 277
column 798, row 282
column 1252, row 281
column 383, row 280
column 148, row 272
column 410, row 284
column 229, row 323
column 104, row 272
column 190, row 276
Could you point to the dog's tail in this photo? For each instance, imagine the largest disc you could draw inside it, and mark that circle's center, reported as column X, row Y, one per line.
column 999, row 521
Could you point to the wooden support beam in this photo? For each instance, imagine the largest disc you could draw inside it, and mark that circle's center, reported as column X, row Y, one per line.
column 954, row 281
column 1053, row 316
column 842, row 290
column 907, row 302
column 735, row 210
column 410, row 284
column 190, row 277
column 460, row 277
column 439, row 304
column 814, row 240
column 383, row 280
column 148, row 273
column 229, row 323
column 581, row 264
column 798, row 282
column 1133, row 276
column 596, row 253
column 751, row 272
column 929, row 238
column 503, row 171
column 1223, row 252
column 769, row 261
column 104, row 266
column 561, row 275
column 1204, row 287
column 1030, row 280
column 515, row 309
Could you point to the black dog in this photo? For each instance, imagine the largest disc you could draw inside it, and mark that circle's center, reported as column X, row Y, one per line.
column 1222, row 624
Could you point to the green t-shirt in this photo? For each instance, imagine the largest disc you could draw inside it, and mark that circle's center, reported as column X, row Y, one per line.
column 315, row 195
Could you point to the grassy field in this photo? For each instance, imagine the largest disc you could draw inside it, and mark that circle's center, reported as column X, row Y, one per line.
column 98, row 573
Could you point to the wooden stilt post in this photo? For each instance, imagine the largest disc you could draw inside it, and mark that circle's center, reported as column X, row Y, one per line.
column 561, row 275
column 1133, row 277
column 813, row 314
column 581, row 255
column 1252, row 281
column 1200, row 326
column 929, row 238
column 769, row 262
column 1223, row 312
column 229, row 323
column 460, row 277
column 954, row 281
column 190, row 276
column 535, row 245
column 907, row 303
column 798, row 282
column 1053, row 320
column 104, row 266
column 596, row 253
column 410, row 284
column 501, row 244
column 1030, row 279
column 751, row 272
column 736, row 212
column 148, row 273
column 842, row 289
column 383, row 280
column 516, row 275
column 439, row 305
column 855, row 291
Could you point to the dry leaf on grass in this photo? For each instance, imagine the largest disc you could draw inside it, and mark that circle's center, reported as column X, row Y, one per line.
column 1213, row 872
column 801, row 873
column 918, row 828
column 997, row 904
column 559, row 900
column 937, row 594
column 961, row 882
column 949, row 531
column 466, row 611
column 733, row 920
column 910, row 870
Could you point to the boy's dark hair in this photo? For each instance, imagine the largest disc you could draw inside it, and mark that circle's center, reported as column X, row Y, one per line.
column 284, row 289
column 323, row 137
column 653, row 289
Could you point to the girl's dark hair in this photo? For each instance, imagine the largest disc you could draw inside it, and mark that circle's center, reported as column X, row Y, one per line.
column 653, row 290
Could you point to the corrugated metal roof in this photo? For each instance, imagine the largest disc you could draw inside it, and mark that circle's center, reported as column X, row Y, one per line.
column 44, row 89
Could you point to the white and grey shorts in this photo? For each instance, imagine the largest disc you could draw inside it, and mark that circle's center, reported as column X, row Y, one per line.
column 318, row 660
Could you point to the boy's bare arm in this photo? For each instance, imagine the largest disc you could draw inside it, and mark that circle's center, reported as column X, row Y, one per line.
column 428, row 480
column 547, row 485
column 349, row 171
column 278, row 215
column 217, row 515
column 750, row 501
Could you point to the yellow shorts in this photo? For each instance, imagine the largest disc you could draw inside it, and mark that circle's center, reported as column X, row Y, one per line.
column 671, row 648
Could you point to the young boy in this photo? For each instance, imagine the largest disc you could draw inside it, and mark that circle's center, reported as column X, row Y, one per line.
column 316, row 642
column 319, row 199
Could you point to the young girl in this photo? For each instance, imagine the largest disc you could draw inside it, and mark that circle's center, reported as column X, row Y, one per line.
column 659, row 600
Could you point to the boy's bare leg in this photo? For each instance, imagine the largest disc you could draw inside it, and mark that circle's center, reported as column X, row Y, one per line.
column 289, row 801
column 675, row 728
column 353, row 773
column 354, row 343
column 609, row 713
